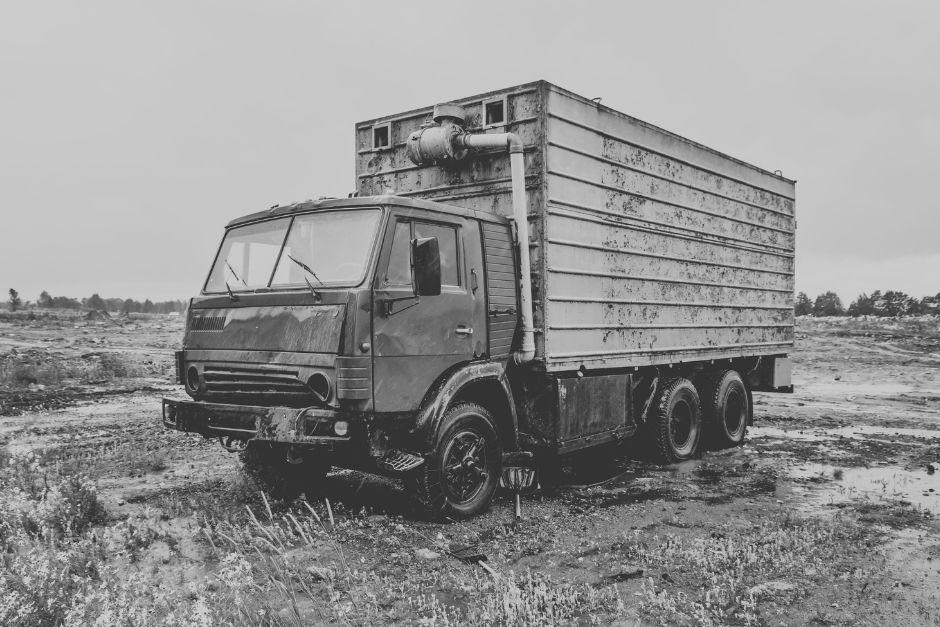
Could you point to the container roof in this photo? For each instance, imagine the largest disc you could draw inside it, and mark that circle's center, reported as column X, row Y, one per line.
column 543, row 84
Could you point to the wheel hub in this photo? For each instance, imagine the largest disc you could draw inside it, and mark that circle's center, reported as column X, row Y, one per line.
column 465, row 466
column 733, row 411
column 681, row 425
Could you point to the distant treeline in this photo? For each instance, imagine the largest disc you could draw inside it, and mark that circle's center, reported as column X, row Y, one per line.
column 127, row 305
column 889, row 304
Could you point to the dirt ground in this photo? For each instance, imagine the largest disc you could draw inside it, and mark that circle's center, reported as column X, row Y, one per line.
column 827, row 515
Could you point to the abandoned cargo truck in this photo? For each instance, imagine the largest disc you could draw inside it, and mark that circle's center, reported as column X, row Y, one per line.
column 520, row 272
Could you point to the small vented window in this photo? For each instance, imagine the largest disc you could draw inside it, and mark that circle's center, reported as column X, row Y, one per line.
column 494, row 112
column 381, row 136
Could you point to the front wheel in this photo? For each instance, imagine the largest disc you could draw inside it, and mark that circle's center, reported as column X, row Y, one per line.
column 462, row 473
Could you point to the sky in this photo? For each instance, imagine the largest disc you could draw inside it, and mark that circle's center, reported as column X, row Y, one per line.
column 131, row 132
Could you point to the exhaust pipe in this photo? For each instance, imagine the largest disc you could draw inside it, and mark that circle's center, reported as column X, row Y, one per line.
column 448, row 141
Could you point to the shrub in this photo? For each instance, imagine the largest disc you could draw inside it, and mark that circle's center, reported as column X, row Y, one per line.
column 40, row 584
column 36, row 502
column 69, row 507
column 113, row 365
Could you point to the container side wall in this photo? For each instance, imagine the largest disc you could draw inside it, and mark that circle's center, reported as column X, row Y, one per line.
column 658, row 249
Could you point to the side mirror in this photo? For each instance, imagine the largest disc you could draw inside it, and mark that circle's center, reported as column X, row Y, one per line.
column 426, row 256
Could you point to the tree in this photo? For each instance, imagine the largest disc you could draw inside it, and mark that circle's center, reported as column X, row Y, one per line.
column 930, row 304
column 95, row 302
column 64, row 302
column 898, row 304
column 828, row 304
column 864, row 305
column 803, row 305
column 148, row 306
column 14, row 299
column 44, row 299
column 113, row 304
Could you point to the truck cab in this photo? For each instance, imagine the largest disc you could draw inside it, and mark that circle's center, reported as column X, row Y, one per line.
column 338, row 333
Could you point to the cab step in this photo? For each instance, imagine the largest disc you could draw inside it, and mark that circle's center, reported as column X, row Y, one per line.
column 400, row 461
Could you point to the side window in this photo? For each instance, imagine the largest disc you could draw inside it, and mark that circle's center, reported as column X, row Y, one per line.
column 399, row 261
column 447, row 241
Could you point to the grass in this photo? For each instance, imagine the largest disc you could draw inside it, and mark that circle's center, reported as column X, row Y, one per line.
column 272, row 565
column 723, row 577
column 133, row 457
column 38, row 503
column 18, row 371
column 306, row 562
column 313, row 563
column 894, row 513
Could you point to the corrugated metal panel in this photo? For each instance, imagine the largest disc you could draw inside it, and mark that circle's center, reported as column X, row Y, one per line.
column 501, row 289
column 646, row 248
column 658, row 249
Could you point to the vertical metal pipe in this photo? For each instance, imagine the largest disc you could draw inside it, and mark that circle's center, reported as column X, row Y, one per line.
column 520, row 213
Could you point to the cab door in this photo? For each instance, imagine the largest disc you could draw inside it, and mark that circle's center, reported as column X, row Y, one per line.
column 415, row 339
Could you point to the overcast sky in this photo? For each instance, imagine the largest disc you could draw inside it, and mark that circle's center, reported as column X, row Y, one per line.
column 131, row 132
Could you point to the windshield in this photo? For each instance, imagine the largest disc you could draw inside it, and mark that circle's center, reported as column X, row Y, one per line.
column 329, row 248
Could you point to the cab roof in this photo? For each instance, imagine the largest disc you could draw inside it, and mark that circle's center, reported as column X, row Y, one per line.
column 365, row 201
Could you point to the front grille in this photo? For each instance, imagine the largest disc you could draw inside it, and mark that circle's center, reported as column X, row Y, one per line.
column 207, row 323
column 253, row 381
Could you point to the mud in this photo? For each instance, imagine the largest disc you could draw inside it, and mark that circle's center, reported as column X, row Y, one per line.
column 852, row 447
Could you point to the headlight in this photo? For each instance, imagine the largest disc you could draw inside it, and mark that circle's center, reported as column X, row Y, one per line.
column 192, row 379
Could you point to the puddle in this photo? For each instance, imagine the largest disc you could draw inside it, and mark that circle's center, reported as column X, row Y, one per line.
column 830, row 485
column 856, row 431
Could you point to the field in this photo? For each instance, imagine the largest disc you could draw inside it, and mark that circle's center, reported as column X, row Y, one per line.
column 828, row 515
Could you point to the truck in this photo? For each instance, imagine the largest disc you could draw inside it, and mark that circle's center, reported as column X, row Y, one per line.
column 519, row 276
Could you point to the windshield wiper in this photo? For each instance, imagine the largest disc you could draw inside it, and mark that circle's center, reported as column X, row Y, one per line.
column 313, row 291
column 231, row 294
column 235, row 274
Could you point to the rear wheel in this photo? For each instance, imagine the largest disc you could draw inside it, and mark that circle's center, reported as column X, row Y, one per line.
column 676, row 425
column 282, row 474
column 726, row 408
column 462, row 473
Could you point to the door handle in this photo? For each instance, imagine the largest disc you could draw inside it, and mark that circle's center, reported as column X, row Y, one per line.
column 462, row 330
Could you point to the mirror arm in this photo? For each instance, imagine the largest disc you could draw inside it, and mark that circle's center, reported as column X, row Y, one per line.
column 388, row 303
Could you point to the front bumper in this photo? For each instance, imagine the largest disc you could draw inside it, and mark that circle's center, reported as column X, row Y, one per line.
column 311, row 426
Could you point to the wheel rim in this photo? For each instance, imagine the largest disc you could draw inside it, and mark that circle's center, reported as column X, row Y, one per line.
column 465, row 466
column 734, row 413
column 680, row 426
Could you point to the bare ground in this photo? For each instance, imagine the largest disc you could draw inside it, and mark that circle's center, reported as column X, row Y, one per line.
column 828, row 514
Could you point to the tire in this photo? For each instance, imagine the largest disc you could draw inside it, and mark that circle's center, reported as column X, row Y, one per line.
column 676, row 425
column 267, row 465
column 726, row 408
column 462, row 472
